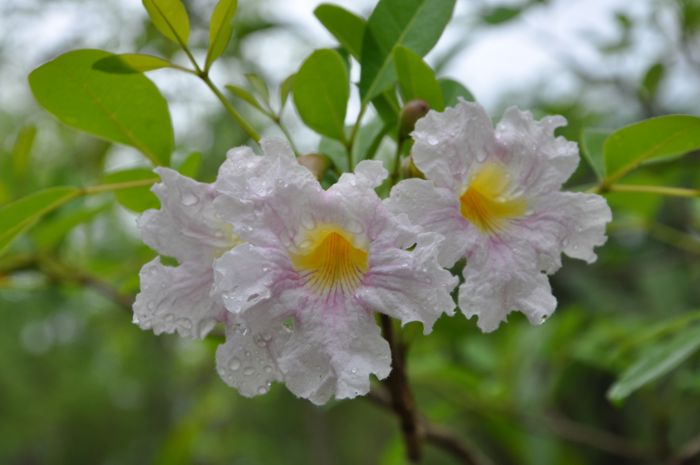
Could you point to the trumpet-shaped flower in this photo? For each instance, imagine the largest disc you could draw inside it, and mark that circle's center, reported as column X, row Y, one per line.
column 494, row 194
column 180, row 298
column 315, row 267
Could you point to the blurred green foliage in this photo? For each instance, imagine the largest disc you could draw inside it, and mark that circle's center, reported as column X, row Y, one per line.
column 81, row 385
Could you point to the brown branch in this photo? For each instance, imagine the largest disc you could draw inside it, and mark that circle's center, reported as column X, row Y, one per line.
column 401, row 396
column 439, row 436
column 689, row 454
column 585, row 435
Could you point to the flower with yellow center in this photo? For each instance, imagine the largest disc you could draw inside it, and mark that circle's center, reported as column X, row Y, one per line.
column 317, row 264
column 495, row 195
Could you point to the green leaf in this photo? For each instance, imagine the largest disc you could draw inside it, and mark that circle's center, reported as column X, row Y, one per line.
column 416, row 79
column 50, row 233
column 131, row 63
column 285, row 89
column 191, row 165
column 415, row 24
column 20, row 215
column 126, row 108
column 500, row 15
column 652, row 139
column 321, row 91
column 652, row 79
column 22, row 151
column 452, row 90
column 259, row 86
column 592, row 141
column 346, row 27
column 137, row 199
column 220, row 29
column 170, row 18
column 246, row 96
column 656, row 362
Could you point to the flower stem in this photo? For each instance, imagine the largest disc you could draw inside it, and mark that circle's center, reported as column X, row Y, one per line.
column 237, row 117
column 661, row 190
column 402, row 400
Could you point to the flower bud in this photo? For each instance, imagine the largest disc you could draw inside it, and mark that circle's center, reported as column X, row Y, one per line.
column 412, row 112
column 316, row 163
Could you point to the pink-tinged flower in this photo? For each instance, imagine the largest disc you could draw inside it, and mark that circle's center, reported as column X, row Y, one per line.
column 494, row 194
column 180, row 298
column 315, row 267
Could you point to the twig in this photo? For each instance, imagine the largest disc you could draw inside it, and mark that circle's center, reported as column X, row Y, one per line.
column 439, row 436
column 579, row 433
column 689, row 454
column 401, row 396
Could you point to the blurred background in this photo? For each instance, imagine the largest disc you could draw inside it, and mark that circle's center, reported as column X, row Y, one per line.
column 80, row 384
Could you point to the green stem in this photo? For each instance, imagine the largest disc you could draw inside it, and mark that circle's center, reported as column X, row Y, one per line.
column 247, row 128
column 350, row 143
column 278, row 121
column 98, row 189
column 396, row 175
column 660, row 190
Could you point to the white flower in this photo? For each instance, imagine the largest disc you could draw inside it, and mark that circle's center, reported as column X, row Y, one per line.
column 180, row 298
column 495, row 197
column 315, row 267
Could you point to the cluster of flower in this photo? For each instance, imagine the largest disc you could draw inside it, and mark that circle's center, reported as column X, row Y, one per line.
column 296, row 273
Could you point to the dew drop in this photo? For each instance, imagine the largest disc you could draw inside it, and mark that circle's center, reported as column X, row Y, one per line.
column 268, row 369
column 353, row 371
column 234, row 364
column 247, row 352
column 189, row 200
column 248, row 371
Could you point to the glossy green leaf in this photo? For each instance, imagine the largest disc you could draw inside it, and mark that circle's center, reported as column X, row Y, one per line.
column 220, row 29
column 452, row 90
column 190, row 166
column 415, row 24
column 592, row 142
column 126, row 108
column 259, row 86
column 137, row 199
column 48, row 234
column 321, row 92
column 652, row 139
column 655, row 362
column 652, row 79
column 285, row 89
column 22, row 150
column 246, row 96
column 131, row 63
column 500, row 14
column 417, row 79
column 21, row 214
column 346, row 27
column 170, row 18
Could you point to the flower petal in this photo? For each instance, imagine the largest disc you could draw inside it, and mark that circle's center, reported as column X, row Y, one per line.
column 177, row 299
column 332, row 352
column 186, row 226
column 492, row 291
column 447, row 144
column 247, row 361
column 410, row 286
column 436, row 210
column 248, row 275
column 539, row 161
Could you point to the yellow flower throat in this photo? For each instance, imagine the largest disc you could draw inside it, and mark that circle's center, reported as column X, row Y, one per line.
column 330, row 260
column 483, row 202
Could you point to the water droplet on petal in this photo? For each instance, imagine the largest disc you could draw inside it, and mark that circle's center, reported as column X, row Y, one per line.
column 268, row 369
column 234, row 364
column 262, row 390
column 248, row 371
column 189, row 199
column 354, row 371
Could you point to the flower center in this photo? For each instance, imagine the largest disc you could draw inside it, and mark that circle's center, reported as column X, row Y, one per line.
column 485, row 203
column 330, row 261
